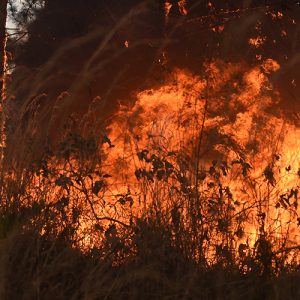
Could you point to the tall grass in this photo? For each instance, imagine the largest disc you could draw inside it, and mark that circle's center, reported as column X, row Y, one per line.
column 63, row 238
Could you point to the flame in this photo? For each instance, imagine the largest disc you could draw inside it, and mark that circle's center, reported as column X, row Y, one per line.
column 216, row 140
column 182, row 7
column 167, row 8
column 168, row 119
column 171, row 142
column 257, row 41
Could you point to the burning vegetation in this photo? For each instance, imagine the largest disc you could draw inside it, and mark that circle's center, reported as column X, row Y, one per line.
column 150, row 150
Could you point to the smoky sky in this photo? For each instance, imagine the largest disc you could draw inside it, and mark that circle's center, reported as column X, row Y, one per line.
column 79, row 47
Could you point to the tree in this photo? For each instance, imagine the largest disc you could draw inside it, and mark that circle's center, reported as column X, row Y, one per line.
column 3, row 16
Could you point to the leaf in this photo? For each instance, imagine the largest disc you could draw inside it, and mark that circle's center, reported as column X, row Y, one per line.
column 64, row 201
column 130, row 200
column 160, row 174
column 64, row 181
column 98, row 186
column 157, row 163
column 240, row 233
column 211, row 184
column 108, row 141
column 212, row 170
column 143, row 155
column 107, row 176
column 149, row 176
column 171, row 153
column 269, row 175
column 224, row 170
column 168, row 165
column 242, row 250
column 245, row 166
column 228, row 193
column 201, row 175
column 122, row 201
column 262, row 215
column 237, row 203
column 223, row 225
column 98, row 227
column 138, row 173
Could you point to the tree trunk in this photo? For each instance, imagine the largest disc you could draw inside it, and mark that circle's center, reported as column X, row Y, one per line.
column 3, row 16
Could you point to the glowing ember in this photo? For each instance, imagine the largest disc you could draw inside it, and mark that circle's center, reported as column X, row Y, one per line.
column 257, row 41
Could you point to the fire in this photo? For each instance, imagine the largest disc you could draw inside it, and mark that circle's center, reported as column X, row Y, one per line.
column 182, row 7
column 170, row 119
column 209, row 149
column 207, row 143
column 257, row 41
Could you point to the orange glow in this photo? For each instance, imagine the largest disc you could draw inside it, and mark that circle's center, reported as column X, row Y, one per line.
column 168, row 7
column 168, row 119
column 215, row 146
column 182, row 7
column 192, row 137
column 257, row 41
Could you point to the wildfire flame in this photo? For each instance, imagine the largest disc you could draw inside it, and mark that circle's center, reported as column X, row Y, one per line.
column 169, row 118
column 216, row 138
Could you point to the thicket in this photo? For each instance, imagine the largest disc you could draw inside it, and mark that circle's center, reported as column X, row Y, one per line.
column 182, row 236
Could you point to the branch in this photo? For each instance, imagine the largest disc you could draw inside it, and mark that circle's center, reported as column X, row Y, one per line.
column 287, row 249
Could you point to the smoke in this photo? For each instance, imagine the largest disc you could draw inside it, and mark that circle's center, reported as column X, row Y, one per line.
column 81, row 49
column 100, row 54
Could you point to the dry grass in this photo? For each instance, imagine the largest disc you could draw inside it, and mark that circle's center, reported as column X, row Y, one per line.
column 163, row 253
